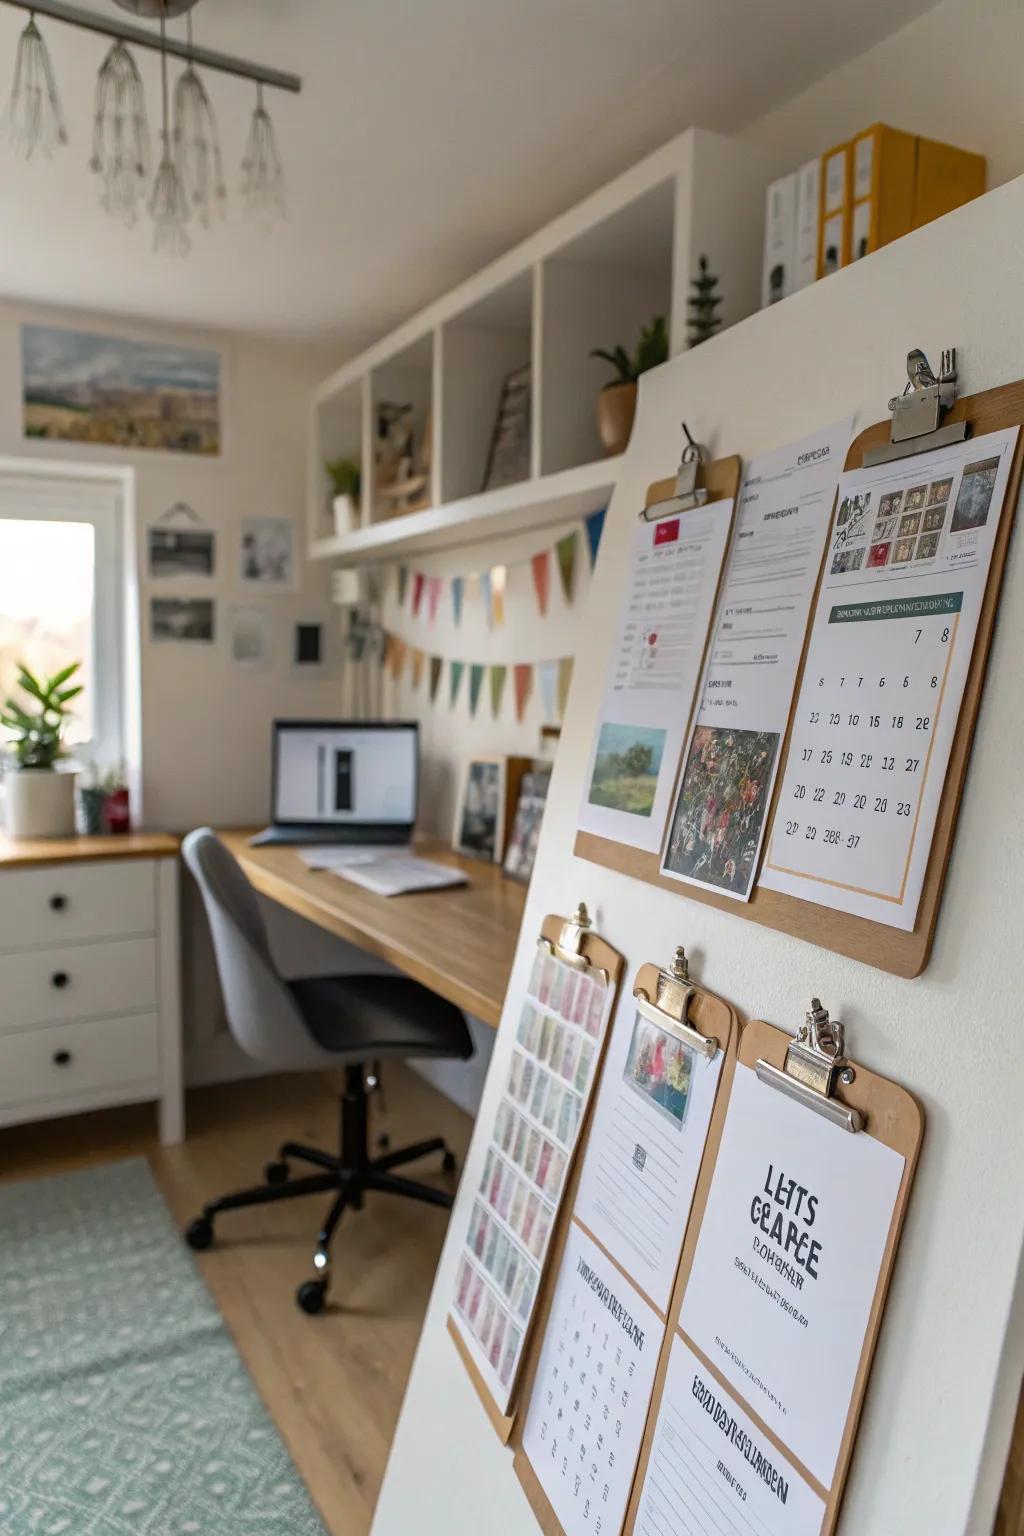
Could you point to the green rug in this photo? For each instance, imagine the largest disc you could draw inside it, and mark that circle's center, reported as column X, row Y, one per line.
column 125, row 1409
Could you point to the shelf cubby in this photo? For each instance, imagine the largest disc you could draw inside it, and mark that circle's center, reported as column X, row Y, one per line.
column 407, row 378
column 480, row 347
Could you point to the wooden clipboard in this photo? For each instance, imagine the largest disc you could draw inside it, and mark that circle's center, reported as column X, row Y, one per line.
column 861, row 938
column 713, row 1018
column 559, row 933
column 889, row 1114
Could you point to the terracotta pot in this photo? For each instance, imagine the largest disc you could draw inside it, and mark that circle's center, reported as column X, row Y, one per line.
column 616, row 407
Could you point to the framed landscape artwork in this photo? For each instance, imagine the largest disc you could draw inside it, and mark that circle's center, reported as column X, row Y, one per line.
column 81, row 387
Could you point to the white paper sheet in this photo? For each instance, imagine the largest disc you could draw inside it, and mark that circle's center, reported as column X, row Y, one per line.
column 653, row 672
column 888, row 657
column 548, row 1081
column 712, row 1472
column 732, row 756
column 646, row 1142
column 397, row 875
column 592, row 1390
column 787, row 1263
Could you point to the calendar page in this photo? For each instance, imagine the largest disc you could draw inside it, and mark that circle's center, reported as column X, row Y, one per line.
column 712, row 1472
column 590, row 1397
column 886, row 665
column 547, row 1084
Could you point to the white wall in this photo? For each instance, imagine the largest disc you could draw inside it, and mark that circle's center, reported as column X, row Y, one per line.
column 935, row 1431
column 952, row 74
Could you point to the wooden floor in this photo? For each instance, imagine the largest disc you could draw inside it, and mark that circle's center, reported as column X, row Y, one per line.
column 334, row 1383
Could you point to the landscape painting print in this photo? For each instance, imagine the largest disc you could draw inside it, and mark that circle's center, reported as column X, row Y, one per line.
column 85, row 388
column 722, row 805
column 660, row 1068
column 626, row 767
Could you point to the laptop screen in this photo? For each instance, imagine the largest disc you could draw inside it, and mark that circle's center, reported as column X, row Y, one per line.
column 338, row 773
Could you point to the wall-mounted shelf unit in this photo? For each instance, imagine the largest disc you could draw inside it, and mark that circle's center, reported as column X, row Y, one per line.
column 589, row 279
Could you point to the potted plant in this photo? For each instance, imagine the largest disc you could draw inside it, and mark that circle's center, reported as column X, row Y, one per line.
column 40, row 798
column 616, row 404
column 117, row 817
column 92, row 798
column 344, row 477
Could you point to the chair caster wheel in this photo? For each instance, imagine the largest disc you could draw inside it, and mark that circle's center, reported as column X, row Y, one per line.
column 276, row 1173
column 311, row 1295
column 199, row 1233
column 448, row 1161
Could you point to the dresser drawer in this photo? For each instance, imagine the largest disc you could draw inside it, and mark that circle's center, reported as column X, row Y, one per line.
column 75, row 981
column 65, row 1060
column 65, row 903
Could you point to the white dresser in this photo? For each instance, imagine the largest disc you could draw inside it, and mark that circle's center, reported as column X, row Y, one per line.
column 90, row 1011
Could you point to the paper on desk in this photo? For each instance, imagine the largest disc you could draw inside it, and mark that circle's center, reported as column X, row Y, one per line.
column 342, row 855
column 398, row 876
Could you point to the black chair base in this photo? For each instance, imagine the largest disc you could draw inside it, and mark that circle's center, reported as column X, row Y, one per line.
column 351, row 1174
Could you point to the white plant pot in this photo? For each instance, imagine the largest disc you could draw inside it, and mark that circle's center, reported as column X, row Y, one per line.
column 344, row 515
column 39, row 802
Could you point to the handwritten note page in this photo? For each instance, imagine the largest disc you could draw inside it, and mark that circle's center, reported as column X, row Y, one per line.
column 549, row 1078
column 787, row 1263
column 886, row 666
column 715, row 833
column 655, row 664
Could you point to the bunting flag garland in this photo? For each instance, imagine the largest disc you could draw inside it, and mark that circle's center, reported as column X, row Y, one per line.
column 433, row 596
column 540, row 565
column 547, row 672
column 418, row 658
column 397, row 657
column 476, row 678
column 595, row 527
column 436, row 663
column 418, row 581
column 564, row 679
column 565, row 549
column 486, row 593
column 458, row 587
column 455, row 671
column 499, row 577
column 498, row 674
column 403, row 579
column 522, row 687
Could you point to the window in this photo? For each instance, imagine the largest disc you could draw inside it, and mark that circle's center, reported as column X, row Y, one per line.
column 61, row 597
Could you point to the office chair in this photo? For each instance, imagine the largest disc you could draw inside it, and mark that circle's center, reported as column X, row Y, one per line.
column 324, row 1021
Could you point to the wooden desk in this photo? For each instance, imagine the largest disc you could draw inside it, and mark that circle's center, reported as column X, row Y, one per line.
column 459, row 942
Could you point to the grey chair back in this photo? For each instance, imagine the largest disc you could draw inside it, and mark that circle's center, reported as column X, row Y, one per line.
column 261, row 1011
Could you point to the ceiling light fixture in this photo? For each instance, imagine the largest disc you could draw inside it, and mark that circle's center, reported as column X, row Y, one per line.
column 189, row 176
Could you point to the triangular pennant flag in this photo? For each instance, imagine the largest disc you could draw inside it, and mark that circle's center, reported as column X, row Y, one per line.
column 595, row 528
column 540, row 565
column 476, row 678
column 565, row 549
column 403, row 577
column 433, row 596
column 485, row 593
column 435, row 676
column 455, row 671
column 417, row 667
column 522, row 684
column 497, row 689
column 397, row 657
column 499, row 578
column 418, row 580
column 547, row 673
column 385, row 654
column 458, row 588
column 564, row 679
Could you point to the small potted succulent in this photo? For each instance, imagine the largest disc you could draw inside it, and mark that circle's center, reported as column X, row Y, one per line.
column 344, row 477
column 616, row 404
column 39, row 796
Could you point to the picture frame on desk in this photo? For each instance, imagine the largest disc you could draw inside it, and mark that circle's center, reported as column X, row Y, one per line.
column 525, row 832
column 486, row 806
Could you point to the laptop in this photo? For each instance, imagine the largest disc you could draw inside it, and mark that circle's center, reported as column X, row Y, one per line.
column 343, row 781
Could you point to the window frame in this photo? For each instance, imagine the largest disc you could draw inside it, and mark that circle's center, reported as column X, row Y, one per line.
column 101, row 498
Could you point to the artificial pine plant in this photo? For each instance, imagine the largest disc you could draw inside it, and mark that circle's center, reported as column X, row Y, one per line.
column 703, row 320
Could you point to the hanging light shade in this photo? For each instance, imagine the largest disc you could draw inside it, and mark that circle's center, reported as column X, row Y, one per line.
column 197, row 145
column 262, row 175
column 34, row 116
column 167, row 203
column 120, row 134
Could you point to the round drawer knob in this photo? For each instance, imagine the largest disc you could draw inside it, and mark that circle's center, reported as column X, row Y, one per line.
column 60, row 979
column 58, row 903
column 61, row 1058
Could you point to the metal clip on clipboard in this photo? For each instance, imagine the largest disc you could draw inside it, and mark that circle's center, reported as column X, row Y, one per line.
column 569, row 945
column 917, row 413
column 686, row 494
column 814, row 1063
column 671, row 1003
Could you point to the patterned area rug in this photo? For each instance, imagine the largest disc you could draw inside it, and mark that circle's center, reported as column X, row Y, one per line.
column 125, row 1409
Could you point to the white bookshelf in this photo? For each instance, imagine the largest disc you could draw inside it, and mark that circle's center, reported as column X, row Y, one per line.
column 591, row 278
